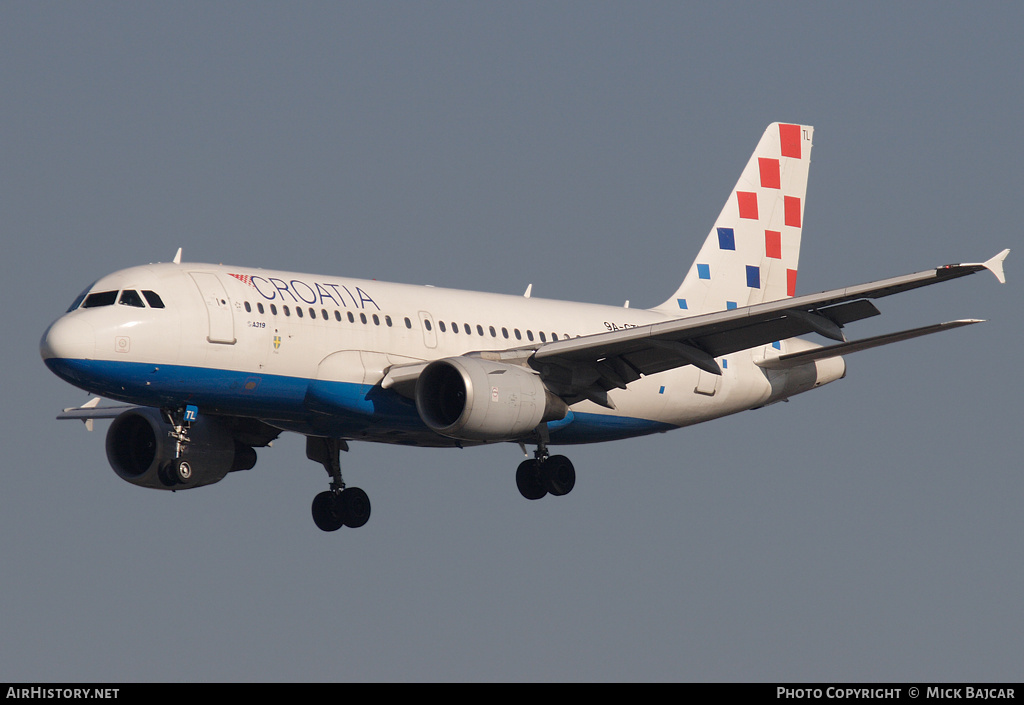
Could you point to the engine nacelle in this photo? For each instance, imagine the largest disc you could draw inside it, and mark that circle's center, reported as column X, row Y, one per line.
column 140, row 450
column 480, row 400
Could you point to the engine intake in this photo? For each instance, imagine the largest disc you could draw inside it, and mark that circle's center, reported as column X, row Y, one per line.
column 140, row 450
column 479, row 400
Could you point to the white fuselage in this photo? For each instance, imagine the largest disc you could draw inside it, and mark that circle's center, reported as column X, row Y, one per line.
column 250, row 342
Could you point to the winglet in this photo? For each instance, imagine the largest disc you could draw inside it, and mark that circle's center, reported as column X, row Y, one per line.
column 995, row 265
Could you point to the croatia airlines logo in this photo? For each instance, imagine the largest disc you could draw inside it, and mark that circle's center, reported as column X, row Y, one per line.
column 298, row 291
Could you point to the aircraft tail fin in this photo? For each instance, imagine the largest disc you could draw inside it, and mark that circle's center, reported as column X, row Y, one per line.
column 752, row 252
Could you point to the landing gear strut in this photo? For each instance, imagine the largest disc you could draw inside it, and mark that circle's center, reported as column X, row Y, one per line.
column 339, row 506
column 545, row 474
column 179, row 470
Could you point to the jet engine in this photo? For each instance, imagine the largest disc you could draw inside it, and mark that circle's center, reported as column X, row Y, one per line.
column 473, row 399
column 141, row 450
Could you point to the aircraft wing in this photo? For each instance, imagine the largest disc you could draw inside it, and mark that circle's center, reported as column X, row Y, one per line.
column 91, row 410
column 587, row 367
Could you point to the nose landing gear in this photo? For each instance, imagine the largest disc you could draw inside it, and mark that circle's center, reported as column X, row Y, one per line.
column 179, row 470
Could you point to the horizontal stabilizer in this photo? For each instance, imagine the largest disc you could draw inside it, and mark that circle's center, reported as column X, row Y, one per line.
column 800, row 358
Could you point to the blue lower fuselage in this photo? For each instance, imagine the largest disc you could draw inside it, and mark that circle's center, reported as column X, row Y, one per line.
column 318, row 407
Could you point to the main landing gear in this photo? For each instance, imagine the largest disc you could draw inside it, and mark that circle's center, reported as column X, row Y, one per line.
column 349, row 506
column 545, row 474
column 338, row 506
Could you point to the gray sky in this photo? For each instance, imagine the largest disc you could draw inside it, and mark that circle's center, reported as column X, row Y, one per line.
column 869, row 530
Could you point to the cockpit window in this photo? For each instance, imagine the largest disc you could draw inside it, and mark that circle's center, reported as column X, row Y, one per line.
column 130, row 297
column 80, row 298
column 100, row 298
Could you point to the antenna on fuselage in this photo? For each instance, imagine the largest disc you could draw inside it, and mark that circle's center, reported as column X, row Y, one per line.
column 177, row 257
column 529, row 289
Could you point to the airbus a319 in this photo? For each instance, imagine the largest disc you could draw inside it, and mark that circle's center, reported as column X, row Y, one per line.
column 210, row 362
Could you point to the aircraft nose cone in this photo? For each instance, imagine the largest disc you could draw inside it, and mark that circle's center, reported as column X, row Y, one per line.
column 68, row 339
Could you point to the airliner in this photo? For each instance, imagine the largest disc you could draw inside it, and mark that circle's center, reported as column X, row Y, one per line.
column 206, row 363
